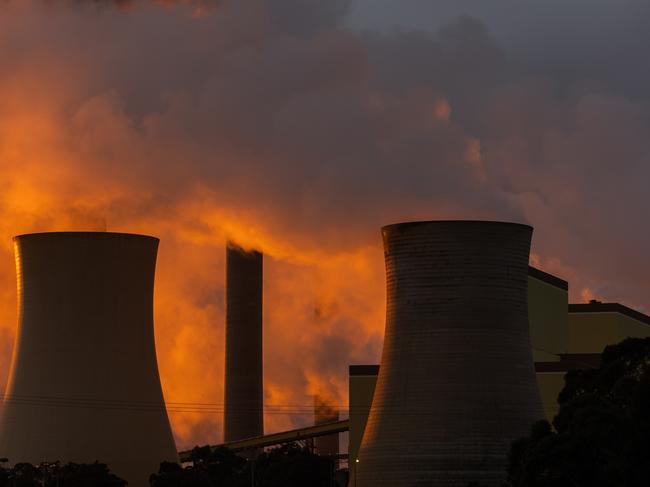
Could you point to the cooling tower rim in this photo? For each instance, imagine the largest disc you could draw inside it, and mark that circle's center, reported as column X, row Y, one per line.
column 97, row 235
column 394, row 226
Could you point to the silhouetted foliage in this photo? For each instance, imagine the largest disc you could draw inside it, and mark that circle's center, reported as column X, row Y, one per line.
column 602, row 430
column 56, row 475
column 220, row 467
column 286, row 466
column 291, row 466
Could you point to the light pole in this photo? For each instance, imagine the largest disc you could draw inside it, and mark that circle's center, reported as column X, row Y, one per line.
column 356, row 464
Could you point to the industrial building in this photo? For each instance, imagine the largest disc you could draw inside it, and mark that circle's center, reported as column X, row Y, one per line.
column 84, row 382
column 563, row 337
column 590, row 328
column 445, row 269
column 476, row 347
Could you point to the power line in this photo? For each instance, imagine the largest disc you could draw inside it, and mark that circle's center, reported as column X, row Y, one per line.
column 136, row 406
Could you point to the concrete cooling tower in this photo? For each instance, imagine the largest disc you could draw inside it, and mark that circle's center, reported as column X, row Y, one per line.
column 243, row 398
column 456, row 383
column 84, row 383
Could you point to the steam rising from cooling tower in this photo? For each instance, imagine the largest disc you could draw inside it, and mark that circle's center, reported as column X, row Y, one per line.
column 84, row 383
column 244, row 368
column 456, row 383
column 325, row 411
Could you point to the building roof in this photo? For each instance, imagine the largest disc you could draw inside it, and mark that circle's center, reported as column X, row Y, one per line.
column 570, row 361
column 548, row 278
column 598, row 307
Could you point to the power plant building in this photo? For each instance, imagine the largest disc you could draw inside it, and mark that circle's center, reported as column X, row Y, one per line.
column 456, row 385
column 548, row 300
column 563, row 337
column 243, row 395
column 84, row 382
column 594, row 325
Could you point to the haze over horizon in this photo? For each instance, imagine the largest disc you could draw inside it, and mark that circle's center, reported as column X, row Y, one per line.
column 300, row 127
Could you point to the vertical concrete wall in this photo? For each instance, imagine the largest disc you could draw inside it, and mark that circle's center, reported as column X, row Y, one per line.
column 550, row 384
column 456, row 383
column 362, row 382
column 591, row 332
column 243, row 416
column 84, row 383
column 548, row 307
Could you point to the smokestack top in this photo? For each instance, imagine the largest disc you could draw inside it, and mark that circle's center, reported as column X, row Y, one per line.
column 250, row 252
column 89, row 235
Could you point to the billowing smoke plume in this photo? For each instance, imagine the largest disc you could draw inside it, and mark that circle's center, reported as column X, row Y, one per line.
column 271, row 123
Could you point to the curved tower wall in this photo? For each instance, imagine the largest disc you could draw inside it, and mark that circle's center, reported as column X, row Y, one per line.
column 243, row 416
column 84, row 382
column 457, row 382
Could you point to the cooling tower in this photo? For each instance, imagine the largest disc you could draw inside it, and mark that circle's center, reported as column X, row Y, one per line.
column 244, row 374
column 456, row 383
column 84, row 383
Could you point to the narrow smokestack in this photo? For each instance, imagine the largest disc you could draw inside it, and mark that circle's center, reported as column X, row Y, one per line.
column 244, row 373
column 84, row 383
column 325, row 412
column 456, row 384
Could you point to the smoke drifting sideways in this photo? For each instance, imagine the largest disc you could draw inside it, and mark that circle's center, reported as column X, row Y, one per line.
column 270, row 123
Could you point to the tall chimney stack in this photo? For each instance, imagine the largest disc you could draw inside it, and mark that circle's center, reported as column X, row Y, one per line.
column 243, row 416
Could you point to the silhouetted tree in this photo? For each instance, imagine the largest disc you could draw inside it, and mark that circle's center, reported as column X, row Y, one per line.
column 602, row 430
column 24, row 475
column 292, row 466
column 218, row 468
column 83, row 475
column 286, row 466
column 55, row 475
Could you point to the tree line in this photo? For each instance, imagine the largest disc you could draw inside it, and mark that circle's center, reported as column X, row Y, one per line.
column 601, row 434
column 286, row 466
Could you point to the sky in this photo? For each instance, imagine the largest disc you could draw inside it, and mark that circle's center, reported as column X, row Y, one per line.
column 300, row 127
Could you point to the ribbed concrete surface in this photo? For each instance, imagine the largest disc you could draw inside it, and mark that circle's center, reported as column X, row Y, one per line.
column 84, row 383
column 457, row 382
column 244, row 367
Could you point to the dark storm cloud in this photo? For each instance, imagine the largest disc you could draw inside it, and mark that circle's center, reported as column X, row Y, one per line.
column 302, row 17
column 560, row 105
column 603, row 40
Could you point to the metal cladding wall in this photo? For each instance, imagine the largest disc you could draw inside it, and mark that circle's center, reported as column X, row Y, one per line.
column 456, row 383
column 244, row 370
column 84, row 383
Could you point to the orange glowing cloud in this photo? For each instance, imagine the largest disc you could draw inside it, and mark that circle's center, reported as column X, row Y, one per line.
column 287, row 133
